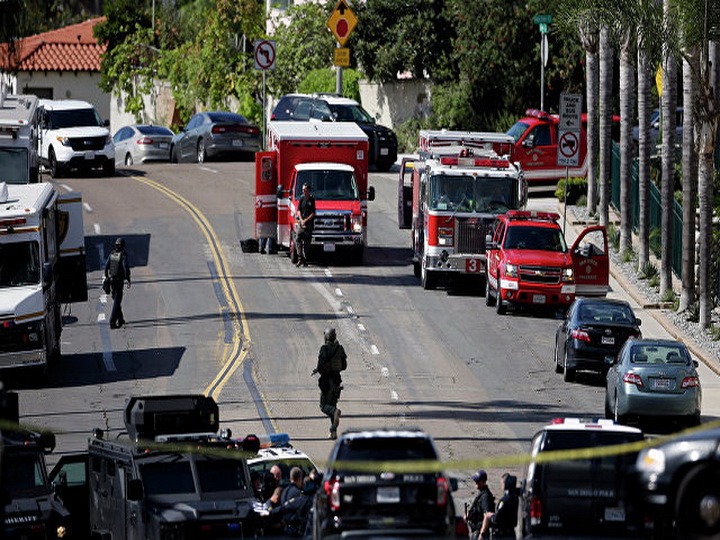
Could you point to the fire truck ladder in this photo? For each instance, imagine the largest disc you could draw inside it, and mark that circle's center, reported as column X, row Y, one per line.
column 434, row 143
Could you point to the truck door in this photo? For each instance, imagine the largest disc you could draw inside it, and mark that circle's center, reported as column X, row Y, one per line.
column 265, row 194
column 405, row 193
column 71, row 269
column 591, row 262
column 69, row 476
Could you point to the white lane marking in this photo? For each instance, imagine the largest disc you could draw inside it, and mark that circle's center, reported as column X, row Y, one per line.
column 350, row 309
column 101, row 317
column 385, row 372
column 88, row 208
column 96, row 226
column 374, row 349
column 66, row 187
column 208, row 169
column 393, row 395
column 328, row 273
column 338, row 292
column 361, row 327
column 103, row 300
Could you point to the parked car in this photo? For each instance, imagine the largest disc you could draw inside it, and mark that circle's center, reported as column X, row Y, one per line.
column 655, row 127
column 586, row 496
column 278, row 451
column 141, row 143
column 357, row 501
column 653, row 378
column 328, row 107
column 214, row 134
column 676, row 485
column 594, row 330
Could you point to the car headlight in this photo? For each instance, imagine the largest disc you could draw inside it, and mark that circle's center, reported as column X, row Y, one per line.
column 445, row 236
column 511, row 270
column 651, row 460
column 567, row 275
column 356, row 223
column 65, row 141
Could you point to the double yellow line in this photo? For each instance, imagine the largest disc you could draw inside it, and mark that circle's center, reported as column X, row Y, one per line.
column 241, row 335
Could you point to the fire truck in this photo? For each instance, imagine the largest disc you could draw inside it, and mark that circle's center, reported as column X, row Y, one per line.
column 333, row 159
column 449, row 197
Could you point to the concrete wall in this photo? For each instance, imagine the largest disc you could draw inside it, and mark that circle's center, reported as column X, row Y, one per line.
column 159, row 108
column 393, row 104
column 81, row 85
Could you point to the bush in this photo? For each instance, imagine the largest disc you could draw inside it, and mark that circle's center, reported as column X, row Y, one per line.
column 614, row 237
column 408, row 133
column 576, row 188
column 324, row 80
column 648, row 270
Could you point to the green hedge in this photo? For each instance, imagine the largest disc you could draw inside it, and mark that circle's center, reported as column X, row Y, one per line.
column 577, row 189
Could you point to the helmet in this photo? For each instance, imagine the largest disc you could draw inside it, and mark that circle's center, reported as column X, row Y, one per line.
column 329, row 334
column 120, row 243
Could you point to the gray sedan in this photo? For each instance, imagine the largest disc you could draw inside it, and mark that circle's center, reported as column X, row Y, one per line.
column 653, row 378
column 141, row 143
column 215, row 134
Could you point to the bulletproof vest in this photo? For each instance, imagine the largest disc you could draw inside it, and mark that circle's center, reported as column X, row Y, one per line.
column 115, row 269
column 336, row 362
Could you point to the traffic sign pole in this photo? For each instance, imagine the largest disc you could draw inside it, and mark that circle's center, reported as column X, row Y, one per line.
column 341, row 23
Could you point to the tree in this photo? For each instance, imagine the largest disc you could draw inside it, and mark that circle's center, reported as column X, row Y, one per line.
column 605, row 122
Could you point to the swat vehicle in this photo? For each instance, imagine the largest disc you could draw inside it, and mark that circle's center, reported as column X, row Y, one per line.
column 30, row 508
column 170, row 476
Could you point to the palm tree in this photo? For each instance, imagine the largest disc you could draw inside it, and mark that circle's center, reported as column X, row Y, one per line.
column 605, row 122
column 627, row 90
column 644, row 149
column 589, row 37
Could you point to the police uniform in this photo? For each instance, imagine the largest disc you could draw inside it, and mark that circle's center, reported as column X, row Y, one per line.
column 117, row 270
column 331, row 361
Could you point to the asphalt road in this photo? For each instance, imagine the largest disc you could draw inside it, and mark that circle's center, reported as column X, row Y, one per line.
column 245, row 328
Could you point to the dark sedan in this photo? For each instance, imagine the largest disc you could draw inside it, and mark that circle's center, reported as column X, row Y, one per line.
column 594, row 329
column 215, row 134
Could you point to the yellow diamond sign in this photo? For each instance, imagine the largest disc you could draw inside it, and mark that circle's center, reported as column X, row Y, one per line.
column 342, row 21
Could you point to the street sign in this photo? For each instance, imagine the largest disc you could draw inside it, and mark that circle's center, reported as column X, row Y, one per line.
column 264, row 54
column 342, row 57
column 542, row 19
column 568, row 154
column 544, row 50
column 570, row 111
column 342, row 21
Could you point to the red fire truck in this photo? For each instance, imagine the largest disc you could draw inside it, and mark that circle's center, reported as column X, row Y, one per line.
column 333, row 159
column 528, row 262
column 449, row 197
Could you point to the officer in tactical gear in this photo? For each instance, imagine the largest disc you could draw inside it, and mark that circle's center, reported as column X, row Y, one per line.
column 331, row 361
column 117, row 270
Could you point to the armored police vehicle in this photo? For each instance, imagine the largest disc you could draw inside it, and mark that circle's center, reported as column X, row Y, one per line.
column 171, row 476
column 30, row 508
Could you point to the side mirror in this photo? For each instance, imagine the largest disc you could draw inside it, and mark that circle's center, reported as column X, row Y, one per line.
column 527, row 143
column 489, row 244
column 279, row 193
column 134, row 490
column 60, row 482
column 371, row 193
column 47, row 274
column 696, row 363
column 106, row 123
column 638, row 322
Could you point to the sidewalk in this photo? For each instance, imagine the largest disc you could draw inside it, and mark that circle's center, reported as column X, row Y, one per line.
column 656, row 323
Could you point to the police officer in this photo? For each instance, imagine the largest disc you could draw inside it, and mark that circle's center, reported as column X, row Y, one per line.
column 305, row 217
column 331, row 361
column 117, row 271
column 483, row 504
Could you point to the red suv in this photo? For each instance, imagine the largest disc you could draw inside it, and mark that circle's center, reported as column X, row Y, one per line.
column 528, row 262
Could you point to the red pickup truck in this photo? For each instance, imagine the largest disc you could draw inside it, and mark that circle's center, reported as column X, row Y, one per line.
column 529, row 263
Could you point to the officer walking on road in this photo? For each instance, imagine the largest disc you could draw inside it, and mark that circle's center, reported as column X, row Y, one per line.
column 331, row 361
column 117, row 271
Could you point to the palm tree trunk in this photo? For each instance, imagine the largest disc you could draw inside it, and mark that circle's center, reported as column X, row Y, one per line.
column 689, row 180
column 591, row 98
column 627, row 91
column 605, row 123
column 644, row 150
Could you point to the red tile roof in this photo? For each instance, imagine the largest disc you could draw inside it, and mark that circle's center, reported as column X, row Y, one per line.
column 72, row 48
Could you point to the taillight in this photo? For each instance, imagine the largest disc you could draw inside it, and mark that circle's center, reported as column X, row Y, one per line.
column 236, row 129
column 332, row 490
column 145, row 140
column 632, row 378
column 535, row 511
column 581, row 335
column 690, row 382
column 442, row 491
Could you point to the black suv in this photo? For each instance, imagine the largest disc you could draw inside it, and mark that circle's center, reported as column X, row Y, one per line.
column 383, row 499
column 324, row 107
column 585, row 495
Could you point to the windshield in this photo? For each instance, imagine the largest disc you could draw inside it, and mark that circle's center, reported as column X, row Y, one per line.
column 517, row 130
column 23, row 472
column 351, row 113
column 471, row 194
column 19, row 264
column 74, row 118
column 538, row 238
column 328, row 185
column 221, row 475
column 14, row 165
column 167, row 478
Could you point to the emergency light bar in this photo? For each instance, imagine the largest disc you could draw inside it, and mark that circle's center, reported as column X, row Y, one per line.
column 536, row 113
column 475, row 162
column 533, row 214
column 274, row 440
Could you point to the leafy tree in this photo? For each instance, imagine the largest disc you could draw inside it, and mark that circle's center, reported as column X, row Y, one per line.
column 324, row 80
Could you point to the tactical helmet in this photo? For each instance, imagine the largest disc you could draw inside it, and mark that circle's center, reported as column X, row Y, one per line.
column 329, row 334
column 120, row 243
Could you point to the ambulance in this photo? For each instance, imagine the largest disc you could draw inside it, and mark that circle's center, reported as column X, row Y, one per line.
column 333, row 159
column 42, row 265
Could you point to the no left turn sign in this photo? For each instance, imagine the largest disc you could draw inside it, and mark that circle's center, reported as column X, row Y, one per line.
column 568, row 154
column 264, row 54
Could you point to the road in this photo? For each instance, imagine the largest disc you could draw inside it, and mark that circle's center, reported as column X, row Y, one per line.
column 245, row 328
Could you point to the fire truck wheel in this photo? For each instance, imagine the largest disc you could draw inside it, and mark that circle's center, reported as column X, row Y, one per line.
column 489, row 298
column 416, row 268
column 427, row 278
column 500, row 306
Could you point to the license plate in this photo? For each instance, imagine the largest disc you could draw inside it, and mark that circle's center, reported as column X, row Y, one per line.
column 607, row 340
column 384, row 151
column 662, row 384
column 163, row 146
column 329, row 246
column 538, row 298
column 388, row 495
column 89, row 155
column 237, row 142
column 614, row 514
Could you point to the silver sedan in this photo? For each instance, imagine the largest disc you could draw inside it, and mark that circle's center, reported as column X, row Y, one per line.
column 141, row 143
column 653, row 378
